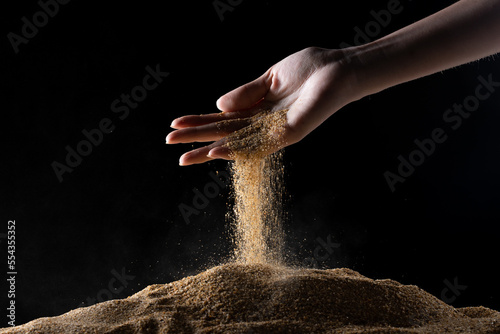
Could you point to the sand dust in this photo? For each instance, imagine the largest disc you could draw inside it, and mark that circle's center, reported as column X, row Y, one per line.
column 257, row 293
column 263, row 298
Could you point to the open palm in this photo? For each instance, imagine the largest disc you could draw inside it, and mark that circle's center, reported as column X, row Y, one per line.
column 312, row 84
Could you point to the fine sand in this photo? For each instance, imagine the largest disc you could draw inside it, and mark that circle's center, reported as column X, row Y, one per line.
column 258, row 298
column 257, row 189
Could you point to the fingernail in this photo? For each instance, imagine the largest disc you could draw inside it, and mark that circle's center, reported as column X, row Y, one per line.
column 181, row 160
column 218, row 153
column 217, row 103
column 212, row 153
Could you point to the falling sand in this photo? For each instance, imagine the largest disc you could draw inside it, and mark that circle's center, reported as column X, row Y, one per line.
column 257, row 179
column 257, row 293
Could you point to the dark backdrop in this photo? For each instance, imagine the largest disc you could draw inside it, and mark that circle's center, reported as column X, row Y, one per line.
column 113, row 225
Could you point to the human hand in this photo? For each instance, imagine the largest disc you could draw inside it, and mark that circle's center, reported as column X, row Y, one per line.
column 312, row 84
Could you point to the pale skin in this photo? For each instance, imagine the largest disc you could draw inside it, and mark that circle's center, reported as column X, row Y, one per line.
column 315, row 83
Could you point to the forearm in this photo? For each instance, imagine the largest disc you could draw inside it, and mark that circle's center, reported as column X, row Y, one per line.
column 463, row 32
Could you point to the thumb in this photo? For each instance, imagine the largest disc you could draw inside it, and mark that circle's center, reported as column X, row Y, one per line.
column 245, row 96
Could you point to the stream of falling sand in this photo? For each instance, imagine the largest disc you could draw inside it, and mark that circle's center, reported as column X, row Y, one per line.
column 257, row 182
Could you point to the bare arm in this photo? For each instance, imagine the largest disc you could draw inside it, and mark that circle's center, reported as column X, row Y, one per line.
column 463, row 32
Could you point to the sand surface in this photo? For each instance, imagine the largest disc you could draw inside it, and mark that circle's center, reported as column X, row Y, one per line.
column 236, row 298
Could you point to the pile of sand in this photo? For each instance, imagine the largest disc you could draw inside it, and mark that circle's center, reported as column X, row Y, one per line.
column 257, row 298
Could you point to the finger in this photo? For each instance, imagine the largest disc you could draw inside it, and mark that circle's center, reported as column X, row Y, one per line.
column 197, row 120
column 245, row 96
column 207, row 132
column 199, row 155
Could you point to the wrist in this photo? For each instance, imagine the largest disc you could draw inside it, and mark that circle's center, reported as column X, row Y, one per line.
column 352, row 67
column 367, row 67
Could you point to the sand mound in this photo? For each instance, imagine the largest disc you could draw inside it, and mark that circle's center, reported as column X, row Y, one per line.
column 256, row 298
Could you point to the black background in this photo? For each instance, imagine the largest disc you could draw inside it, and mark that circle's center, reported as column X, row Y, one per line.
column 118, row 210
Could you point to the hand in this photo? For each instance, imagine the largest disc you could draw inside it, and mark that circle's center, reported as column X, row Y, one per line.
column 312, row 84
